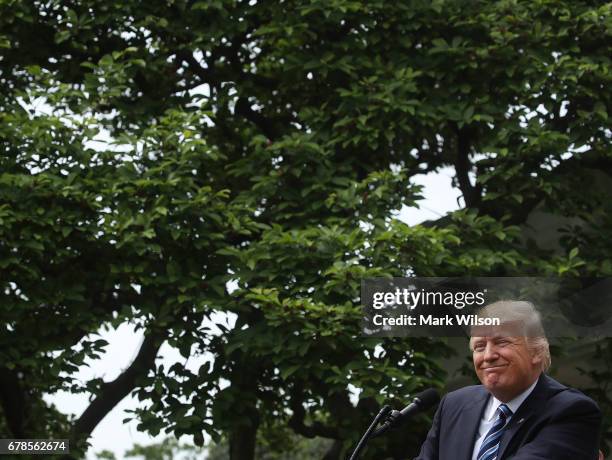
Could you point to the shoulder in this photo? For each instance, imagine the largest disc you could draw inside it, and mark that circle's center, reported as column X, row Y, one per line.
column 467, row 395
column 565, row 398
column 467, row 392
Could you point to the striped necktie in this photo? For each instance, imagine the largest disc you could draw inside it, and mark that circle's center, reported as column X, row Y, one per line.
column 490, row 445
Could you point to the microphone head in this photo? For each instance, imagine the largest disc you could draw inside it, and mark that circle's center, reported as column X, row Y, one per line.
column 427, row 398
column 421, row 401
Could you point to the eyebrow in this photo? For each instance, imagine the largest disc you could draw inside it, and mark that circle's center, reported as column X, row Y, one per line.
column 499, row 338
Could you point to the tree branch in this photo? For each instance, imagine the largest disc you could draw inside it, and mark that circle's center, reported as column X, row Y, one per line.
column 12, row 399
column 296, row 422
column 471, row 194
column 206, row 75
column 113, row 392
column 243, row 108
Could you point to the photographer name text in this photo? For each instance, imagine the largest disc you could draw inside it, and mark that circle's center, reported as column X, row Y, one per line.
column 431, row 320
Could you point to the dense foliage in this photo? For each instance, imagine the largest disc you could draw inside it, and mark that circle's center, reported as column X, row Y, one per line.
column 177, row 163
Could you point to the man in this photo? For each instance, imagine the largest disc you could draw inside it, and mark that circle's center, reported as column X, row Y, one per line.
column 518, row 412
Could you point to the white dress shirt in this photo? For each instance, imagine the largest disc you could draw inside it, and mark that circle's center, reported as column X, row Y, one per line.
column 490, row 415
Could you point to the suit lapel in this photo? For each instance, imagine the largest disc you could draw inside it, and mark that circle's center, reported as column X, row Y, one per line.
column 518, row 420
column 534, row 402
column 469, row 418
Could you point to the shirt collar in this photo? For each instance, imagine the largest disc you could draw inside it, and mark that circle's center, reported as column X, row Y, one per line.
column 513, row 404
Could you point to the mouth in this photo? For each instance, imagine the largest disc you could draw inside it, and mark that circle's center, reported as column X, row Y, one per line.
column 493, row 368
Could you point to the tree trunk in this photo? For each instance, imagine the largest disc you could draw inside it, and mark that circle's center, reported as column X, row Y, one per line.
column 242, row 440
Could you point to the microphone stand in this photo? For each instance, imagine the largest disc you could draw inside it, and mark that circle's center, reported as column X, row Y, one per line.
column 383, row 413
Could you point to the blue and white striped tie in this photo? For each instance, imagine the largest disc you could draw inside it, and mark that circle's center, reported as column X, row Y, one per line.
column 490, row 445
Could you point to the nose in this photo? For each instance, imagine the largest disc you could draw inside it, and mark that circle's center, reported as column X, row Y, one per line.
column 490, row 352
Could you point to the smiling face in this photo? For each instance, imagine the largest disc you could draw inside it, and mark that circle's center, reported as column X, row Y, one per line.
column 504, row 364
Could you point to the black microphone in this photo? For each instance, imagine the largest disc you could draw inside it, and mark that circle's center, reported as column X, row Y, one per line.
column 421, row 401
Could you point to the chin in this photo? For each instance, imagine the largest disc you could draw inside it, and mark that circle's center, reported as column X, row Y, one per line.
column 496, row 384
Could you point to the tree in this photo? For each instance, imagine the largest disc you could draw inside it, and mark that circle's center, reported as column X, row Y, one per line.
column 168, row 449
column 270, row 145
column 92, row 238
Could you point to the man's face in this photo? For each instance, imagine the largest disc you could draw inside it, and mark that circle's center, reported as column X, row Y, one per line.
column 504, row 364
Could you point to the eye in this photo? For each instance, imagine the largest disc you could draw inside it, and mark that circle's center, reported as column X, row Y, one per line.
column 479, row 347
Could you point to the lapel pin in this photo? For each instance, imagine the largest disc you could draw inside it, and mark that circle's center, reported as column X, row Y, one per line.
column 521, row 420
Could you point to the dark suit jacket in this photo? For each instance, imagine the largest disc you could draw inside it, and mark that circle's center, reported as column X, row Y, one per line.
column 553, row 423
